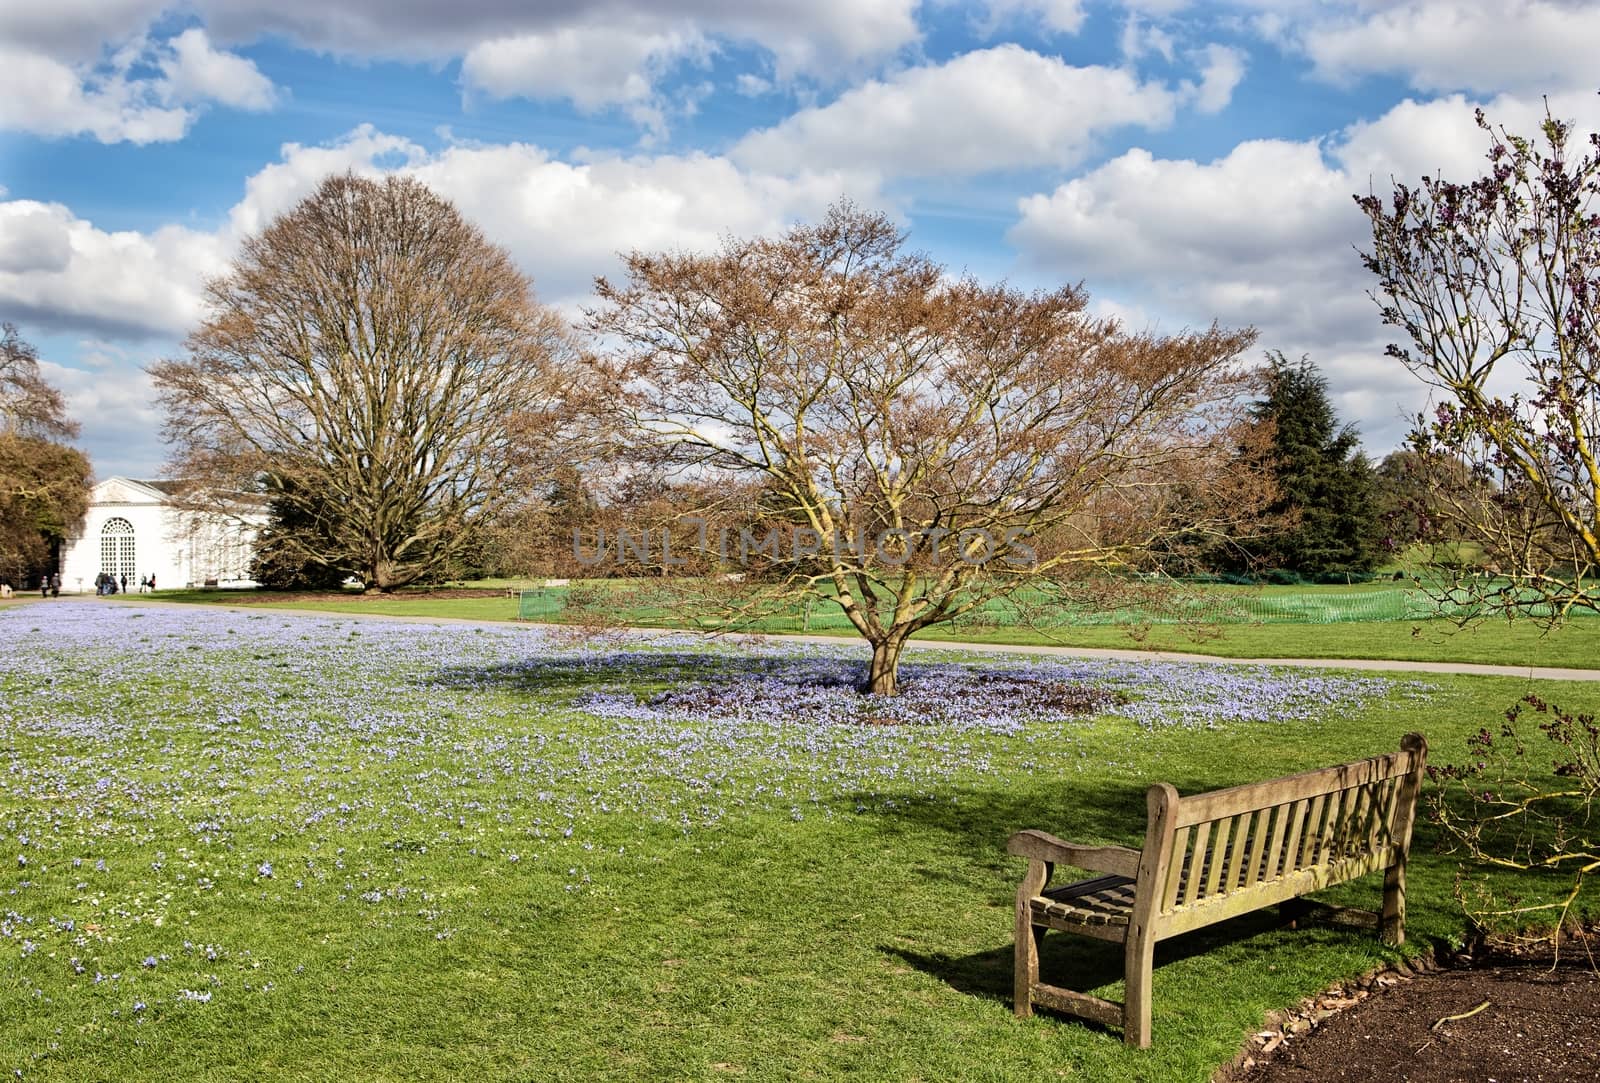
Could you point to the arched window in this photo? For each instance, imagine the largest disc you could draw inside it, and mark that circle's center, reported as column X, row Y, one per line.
column 116, row 549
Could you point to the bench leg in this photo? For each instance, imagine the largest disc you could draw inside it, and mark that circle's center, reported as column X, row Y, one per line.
column 1392, row 921
column 1025, row 968
column 1138, row 962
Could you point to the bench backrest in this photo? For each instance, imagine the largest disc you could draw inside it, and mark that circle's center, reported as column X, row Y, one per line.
column 1211, row 856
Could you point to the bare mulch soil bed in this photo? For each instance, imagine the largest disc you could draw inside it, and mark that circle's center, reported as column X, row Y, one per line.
column 1502, row 1017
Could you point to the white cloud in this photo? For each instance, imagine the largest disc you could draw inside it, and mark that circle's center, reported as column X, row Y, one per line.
column 1222, row 70
column 1140, row 38
column 46, row 97
column 995, row 109
column 118, row 406
column 108, row 97
column 1484, row 46
column 1263, row 237
column 752, row 86
column 277, row 187
column 75, row 31
column 55, row 79
column 1062, row 16
column 563, row 221
column 1267, row 236
column 594, row 65
column 198, row 73
column 84, row 279
column 1440, row 138
column 1235, row 238
column 807, row 36
column 31, row 239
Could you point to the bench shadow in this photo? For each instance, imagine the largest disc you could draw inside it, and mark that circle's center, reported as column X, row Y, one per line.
column 976, row 828
column 1077, row 962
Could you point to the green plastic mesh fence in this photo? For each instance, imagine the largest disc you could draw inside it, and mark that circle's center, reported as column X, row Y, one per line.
column 540, row 604
column 1208, row 606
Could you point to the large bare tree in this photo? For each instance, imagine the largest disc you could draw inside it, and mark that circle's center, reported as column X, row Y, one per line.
column 1494, row 284
column 911, row 446
column 380, row 371
column 44, row 484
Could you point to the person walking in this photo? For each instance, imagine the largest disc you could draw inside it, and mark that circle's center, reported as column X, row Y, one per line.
column 124, row 582
column 55, row 584
column 152, row 582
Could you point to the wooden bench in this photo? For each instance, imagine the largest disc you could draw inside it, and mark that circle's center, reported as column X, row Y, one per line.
column 1210, row 857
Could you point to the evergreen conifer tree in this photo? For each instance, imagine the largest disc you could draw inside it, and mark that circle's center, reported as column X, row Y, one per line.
column 1326, row 487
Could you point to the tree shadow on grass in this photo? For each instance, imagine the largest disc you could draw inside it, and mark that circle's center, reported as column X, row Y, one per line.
column 661, row 665
column 803, row 683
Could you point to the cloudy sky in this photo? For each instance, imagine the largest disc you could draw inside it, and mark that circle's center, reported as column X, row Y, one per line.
column 1188, row 162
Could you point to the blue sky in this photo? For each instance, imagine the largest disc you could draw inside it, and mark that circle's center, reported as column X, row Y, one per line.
column 1188, row 162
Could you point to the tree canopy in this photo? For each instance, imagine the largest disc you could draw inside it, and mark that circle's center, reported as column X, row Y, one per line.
column 44, row 483
column 380, row 372
column 910, row 445
column 1495, row 285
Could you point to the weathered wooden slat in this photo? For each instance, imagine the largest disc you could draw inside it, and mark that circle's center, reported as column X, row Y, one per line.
column 1297, row 826
column 1279, row 791
column 1242, row 840
column 1267, row 893
column 1372, row 815
column 1217, row 855
column 1197, row 856
column 1046, row 847
column 1180, row 853
column 1084, row 1006
column 1359, row 839
column 1337, row 803
column 1383, row 823
column 1253, row 867
column 1274, row 859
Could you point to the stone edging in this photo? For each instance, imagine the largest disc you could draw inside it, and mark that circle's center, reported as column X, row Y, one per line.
column 1283, row 1026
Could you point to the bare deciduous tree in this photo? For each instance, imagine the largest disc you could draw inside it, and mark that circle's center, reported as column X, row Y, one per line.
column 923, row 444
column 374, row 363
column 29, row 406
column 1496, row 286
column 44, row 484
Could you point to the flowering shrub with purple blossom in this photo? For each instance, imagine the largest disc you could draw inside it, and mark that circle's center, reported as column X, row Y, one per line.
column 197, row 806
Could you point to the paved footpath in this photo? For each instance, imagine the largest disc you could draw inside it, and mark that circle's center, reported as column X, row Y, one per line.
column 1540, row 673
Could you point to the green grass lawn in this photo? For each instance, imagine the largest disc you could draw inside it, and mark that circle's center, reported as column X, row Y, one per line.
column 1575, row 645
column 263, row 846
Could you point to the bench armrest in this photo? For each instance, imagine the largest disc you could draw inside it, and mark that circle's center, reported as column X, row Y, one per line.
column 1043, row 846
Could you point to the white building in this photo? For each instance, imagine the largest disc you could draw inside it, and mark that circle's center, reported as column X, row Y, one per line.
column 134, row 529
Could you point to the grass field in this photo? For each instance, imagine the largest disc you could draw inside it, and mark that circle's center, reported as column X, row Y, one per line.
column 1524, row 643
column 247, row 846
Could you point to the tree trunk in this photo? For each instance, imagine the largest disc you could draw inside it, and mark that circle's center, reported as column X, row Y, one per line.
column 885, row 671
